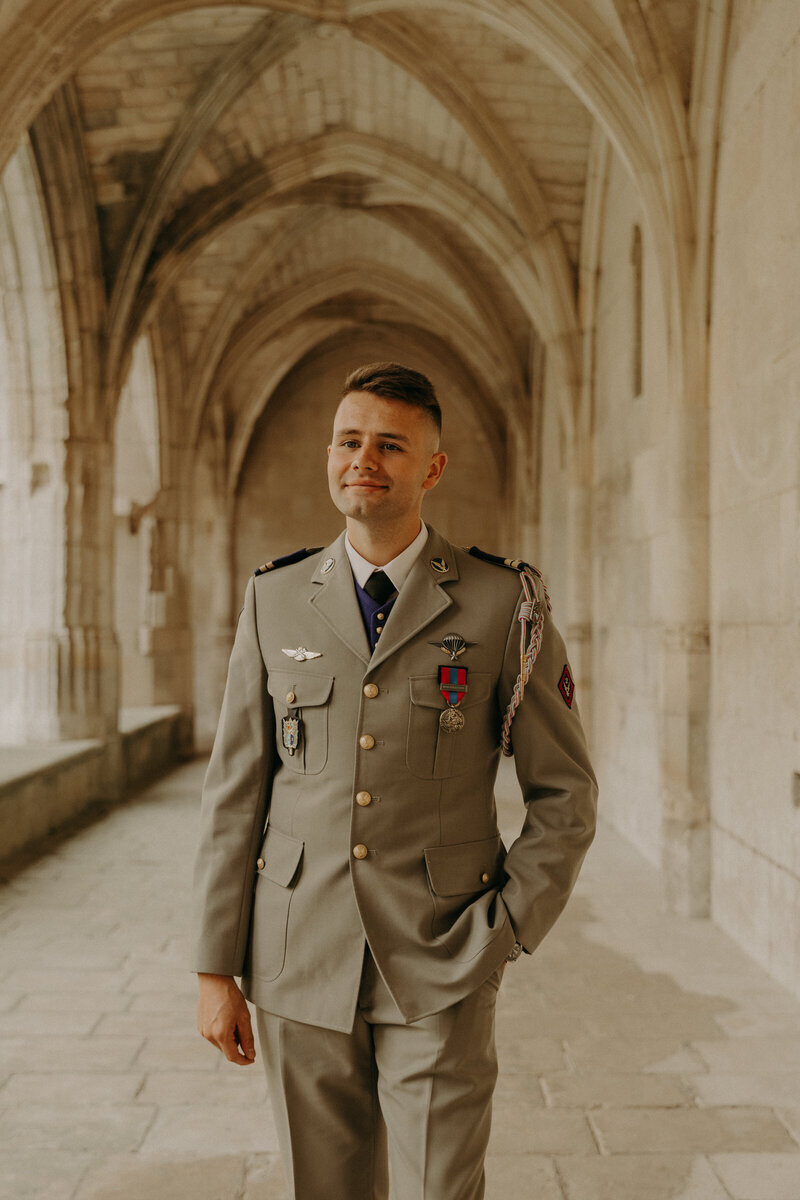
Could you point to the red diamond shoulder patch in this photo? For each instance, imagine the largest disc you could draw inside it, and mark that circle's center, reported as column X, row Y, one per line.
column 566, row 686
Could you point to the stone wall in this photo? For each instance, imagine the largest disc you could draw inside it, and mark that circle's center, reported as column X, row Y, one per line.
column 628, row 479
column 552, row 556
column 755, row 494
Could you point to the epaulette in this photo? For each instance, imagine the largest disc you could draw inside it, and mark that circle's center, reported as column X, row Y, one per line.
column 514, row 564
column 287, row 559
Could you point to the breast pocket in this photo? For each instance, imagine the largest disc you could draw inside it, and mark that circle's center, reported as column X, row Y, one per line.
column 304, row 695
column 436, row 753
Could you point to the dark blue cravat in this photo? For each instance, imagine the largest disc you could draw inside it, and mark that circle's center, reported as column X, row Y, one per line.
column 375, row 600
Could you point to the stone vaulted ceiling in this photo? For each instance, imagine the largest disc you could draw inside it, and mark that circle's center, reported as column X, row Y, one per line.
column 271, row 178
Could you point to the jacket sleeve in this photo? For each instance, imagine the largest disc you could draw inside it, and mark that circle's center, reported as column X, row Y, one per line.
column 558, row 787
column 234, row 807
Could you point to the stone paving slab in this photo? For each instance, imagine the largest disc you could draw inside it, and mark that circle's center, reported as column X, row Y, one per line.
column 759, row 1176
column 640, row 1177
column 643, row 1056
column 690, row 1130
column 604, row 1089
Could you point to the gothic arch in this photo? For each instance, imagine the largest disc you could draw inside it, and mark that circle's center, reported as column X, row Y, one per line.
column 299, row 224
column 408, row 300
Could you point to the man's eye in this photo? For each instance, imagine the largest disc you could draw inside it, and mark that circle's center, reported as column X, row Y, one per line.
column 349, row 444
column 391, row 446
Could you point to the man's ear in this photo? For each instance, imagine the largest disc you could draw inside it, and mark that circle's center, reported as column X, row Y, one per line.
column 435, row 470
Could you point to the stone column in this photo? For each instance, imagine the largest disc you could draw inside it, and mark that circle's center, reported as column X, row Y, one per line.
column 680, row 601
column 523, row 501
column 578, row 627
column 70, row 648
column 169, row 633
column 214, row 603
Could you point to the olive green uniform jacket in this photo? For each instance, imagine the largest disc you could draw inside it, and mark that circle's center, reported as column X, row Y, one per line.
column 437, row 897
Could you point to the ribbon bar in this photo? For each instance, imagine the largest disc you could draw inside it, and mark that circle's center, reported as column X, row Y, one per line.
column 453, row 684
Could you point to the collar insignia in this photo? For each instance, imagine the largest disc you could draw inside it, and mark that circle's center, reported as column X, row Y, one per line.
column 440, row 565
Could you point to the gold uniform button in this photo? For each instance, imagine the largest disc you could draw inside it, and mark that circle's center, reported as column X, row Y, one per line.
column 484, row 878
column 290, row 697
column 363, row 798
column 360, row 851
column 371, row 690
column 261, row 864
column 366, row 741
column 380, row 617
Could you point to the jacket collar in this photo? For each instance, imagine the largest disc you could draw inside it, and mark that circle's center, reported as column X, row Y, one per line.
column 421, row 598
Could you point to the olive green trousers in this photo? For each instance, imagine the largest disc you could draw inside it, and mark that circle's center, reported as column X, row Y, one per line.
column 416, row 1098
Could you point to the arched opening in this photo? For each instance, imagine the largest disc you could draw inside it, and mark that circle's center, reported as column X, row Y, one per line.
column 139, row 593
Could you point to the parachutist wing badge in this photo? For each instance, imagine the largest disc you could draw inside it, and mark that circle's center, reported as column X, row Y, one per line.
column 303, row 655
column 453, row 644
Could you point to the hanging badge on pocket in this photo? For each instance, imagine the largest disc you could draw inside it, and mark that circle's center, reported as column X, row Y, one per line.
column 291, row 727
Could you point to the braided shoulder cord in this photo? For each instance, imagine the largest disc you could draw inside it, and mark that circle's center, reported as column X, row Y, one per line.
column 531, row 618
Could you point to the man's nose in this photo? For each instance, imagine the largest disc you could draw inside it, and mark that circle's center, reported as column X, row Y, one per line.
column 365, row 459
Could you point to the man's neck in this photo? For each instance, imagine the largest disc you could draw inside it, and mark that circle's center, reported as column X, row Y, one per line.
column 379, row 546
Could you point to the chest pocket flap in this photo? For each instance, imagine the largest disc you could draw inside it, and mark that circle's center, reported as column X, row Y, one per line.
column 308, row 692
column 309, row 688
column 457, row 870
column 425, row 690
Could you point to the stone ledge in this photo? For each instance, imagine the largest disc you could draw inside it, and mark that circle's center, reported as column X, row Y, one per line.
column 44, row 787
column 20, row 763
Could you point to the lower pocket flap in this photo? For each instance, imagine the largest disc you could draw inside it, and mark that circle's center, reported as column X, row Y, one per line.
column 281, row 856
column 465, row 867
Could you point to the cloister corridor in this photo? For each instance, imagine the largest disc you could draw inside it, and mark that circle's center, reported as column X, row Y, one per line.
column 580, row 219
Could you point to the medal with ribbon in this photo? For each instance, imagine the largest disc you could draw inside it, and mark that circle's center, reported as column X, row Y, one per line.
column 453, row 686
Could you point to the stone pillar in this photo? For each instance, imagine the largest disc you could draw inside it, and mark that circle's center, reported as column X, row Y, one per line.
column 680, row 600
column 523, row 500
column 151, row 606
column 70, row 648
column 169, row 634
column 215, row 605
column 578, row 627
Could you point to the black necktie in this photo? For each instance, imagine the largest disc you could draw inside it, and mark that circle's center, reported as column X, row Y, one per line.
column 379, row 587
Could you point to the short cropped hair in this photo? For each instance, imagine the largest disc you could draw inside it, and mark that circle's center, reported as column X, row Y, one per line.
column 391, row 381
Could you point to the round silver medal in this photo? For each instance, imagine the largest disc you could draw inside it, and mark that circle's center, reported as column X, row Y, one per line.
column 451, row 719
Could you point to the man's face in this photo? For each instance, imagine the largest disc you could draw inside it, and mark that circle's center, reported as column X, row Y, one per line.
column 382, row 459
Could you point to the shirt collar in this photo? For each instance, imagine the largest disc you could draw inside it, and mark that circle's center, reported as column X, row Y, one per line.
column 397, row 570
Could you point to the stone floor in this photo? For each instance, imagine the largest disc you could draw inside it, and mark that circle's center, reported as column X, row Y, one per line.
column 643, row 1057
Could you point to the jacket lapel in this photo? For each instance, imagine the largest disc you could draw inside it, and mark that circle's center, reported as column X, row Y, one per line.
column 421, row 597
column 335, row 600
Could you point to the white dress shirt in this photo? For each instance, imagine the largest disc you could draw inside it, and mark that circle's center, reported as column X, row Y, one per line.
column 397, row 570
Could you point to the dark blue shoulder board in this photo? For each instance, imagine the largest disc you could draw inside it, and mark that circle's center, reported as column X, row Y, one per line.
column 287, row 559
column 515, row 564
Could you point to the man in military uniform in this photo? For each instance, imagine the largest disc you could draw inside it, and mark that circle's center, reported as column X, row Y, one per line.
column 350, row 868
